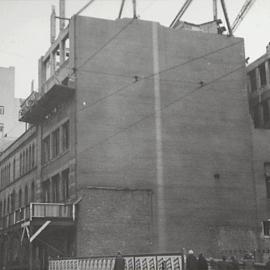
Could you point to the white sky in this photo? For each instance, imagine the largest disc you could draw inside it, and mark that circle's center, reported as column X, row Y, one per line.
column 25, row 25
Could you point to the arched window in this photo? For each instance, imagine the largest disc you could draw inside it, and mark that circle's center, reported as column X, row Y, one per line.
column 26, row 195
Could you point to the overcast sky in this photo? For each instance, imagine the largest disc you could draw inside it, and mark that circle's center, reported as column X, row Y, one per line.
column 24, row 27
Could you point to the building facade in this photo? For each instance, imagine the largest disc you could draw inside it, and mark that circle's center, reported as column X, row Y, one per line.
column 9, row 106
column 140, row 141
column 258, row 89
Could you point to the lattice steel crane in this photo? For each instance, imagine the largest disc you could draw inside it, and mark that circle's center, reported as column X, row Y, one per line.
column 243, row 12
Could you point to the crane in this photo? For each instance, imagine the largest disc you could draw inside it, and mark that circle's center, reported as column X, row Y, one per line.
column 244, row 10
column 180, row 13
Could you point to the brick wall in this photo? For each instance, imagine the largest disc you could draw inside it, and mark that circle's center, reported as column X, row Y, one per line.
column 110, row 220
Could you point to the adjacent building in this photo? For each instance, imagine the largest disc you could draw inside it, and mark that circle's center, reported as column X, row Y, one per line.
column 9, row 105
column 140, row 140
column 259, row 100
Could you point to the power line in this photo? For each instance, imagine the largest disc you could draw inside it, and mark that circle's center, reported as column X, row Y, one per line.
column 160, row 72
column 103, row 46
column 162, row 109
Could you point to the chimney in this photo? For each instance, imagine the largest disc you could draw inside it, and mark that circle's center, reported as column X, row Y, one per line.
column 62, row 15
column 53, row 25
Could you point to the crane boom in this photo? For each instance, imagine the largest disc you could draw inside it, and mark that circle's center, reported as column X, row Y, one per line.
column 181, row 12
column 243, row 12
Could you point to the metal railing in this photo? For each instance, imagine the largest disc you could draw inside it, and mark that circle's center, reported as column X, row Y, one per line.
column 38, row 210
column 55, row 210
column 138, row 262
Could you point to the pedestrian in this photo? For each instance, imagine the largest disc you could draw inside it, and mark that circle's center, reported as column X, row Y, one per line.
column 119, row 263
column 234, row 265
column 192, row 263
column 202, row 263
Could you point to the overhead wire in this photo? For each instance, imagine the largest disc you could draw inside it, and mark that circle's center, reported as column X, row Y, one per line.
column 160, row 72
column 103, row 46
column 121, row 130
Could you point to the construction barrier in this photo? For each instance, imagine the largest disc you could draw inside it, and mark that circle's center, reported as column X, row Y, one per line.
column 138, row 262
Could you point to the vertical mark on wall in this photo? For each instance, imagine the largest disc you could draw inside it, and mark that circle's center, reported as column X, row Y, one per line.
column 158, row 128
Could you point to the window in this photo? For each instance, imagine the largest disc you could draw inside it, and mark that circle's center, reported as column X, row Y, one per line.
column 30, row 158
column 56, row 58
column 13, row 200
column 20, row 198
column 5, row 207
column 46, row 191
column 23, row 162
column 65, row 184
column 46, row 149
column 8, row 204
column 2, row 110
column 33, row 155
column 262, row 74
column 253, row 82
column 1, row 129
column 47, row 69
column 265, row 111
column 20, row 163
column 32, row 192
column 66, row 48
column 267, row 178
column 266, row 228
column 65, row 136
column 26, row 195
column 55, row 143
column 26, row 160
column 14, row 169
column 55, row 188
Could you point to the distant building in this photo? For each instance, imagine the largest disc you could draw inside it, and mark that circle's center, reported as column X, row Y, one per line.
column 9, row 105
column 140, row 141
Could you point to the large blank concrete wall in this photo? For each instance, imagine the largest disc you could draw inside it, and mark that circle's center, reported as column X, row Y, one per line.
column 203, row 129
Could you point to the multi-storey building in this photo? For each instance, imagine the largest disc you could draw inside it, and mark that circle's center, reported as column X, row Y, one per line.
column 9, row 105
column 140, row 141
column 259, row 101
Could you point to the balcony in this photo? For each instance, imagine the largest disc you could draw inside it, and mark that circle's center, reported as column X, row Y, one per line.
column 37, row 106
column 58, row 213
